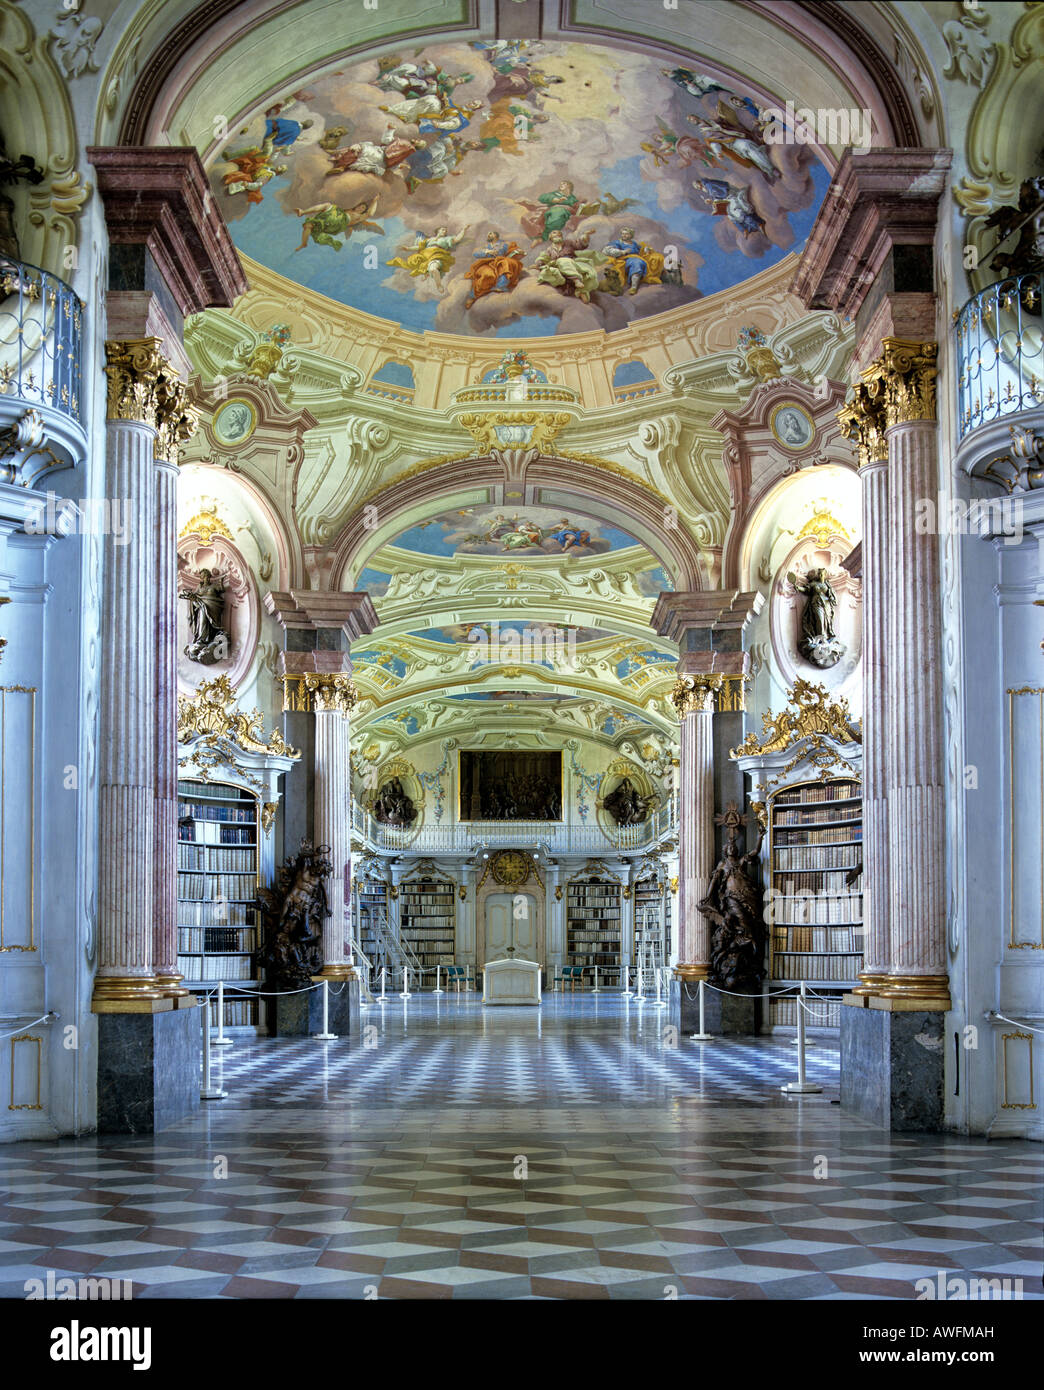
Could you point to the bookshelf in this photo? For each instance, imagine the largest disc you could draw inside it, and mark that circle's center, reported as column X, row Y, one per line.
column 652, row 919
column 594, row 923
column 372, row 908
column 815, row 868
column 218, row 878
column 427, row 918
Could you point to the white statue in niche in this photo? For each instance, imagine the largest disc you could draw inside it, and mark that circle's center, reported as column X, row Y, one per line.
column 819, row 643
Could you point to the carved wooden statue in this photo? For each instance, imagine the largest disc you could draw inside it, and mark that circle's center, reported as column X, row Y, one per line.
column 1027, row 255
column 626, row 804
column 733, row 906
column 293, row 914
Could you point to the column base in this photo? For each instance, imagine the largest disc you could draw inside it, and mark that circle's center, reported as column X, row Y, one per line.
column 728, row 1015
column 931, row 991
column 113, row 993
column 301, row 1015
column 892, row 1064
column 871, row 984
column 335, row 973
column 148, row 1069
column 170, row 984
column 691, row 973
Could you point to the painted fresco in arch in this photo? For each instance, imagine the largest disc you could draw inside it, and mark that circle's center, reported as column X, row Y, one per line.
column 516, row 187
column 527, row 534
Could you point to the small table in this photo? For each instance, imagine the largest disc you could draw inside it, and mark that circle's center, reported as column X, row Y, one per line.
column 511, row 982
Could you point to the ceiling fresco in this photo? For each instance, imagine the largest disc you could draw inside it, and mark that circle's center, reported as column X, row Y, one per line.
column 516, row 187
column 530, row 534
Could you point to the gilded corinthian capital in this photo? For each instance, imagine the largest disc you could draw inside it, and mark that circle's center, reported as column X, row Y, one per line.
column 327, row 693
column 144, row 387
column 695, row 694
column 897, row 387
column 862, row 420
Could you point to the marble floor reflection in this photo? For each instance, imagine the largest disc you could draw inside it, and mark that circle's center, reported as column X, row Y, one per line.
column 575, row 1151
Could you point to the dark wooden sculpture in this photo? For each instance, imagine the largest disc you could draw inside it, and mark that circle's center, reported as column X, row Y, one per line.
column 293, row 914
column 733, row 906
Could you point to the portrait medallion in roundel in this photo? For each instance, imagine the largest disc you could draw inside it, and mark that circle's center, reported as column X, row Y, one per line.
column 234, row 423
column 511, row 867
column 792, row 426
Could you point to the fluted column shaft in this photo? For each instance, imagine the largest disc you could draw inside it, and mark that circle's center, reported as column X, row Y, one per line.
column 915, row 759
column 694, row 698
column 877, row 572
column 127, row 752
column 332, row 813
column 165, row 847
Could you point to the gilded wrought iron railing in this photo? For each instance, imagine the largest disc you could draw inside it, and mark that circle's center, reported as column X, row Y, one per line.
column 41, row 332
column 1000, row 367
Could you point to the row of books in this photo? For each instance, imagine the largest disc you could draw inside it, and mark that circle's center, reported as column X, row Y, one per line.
column 221, row 914
column 818, row 938
column 206, row 887
column 239, row 1013
column 816, row 882
column 217, row 938
column 586, row 936
column 787, row 966
column 215, row 857
column 814, row 815
column 216, row 967
column 599, row 960
column 593, row 914
column 828, row 791
column 422, row 934
column 426, row 899
column 805, row 908
column 594, row 899
column 819, row 1014
column 409, row 910
column 237, row 834
column 829, row 835
column 815, row 857
column 196, row 810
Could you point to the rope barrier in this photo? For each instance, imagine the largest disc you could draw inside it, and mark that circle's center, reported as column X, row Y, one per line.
column 42, row 1019
column 1003, row 1018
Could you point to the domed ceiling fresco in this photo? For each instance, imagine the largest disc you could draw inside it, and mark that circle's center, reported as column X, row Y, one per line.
column 516, row 187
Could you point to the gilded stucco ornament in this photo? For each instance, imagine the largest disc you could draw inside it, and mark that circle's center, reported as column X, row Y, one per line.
column 810, row 713
column 898, row 387
column 143, row 387
column 532, row 429
column 333, row 693
column 212, row 714
column 695, row 694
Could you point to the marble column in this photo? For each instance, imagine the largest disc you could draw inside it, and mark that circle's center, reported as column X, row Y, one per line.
column 127, row 752
column 332, row 699
column 863, row 422
column 694, row 697
column 916, row 795
column 174, row 426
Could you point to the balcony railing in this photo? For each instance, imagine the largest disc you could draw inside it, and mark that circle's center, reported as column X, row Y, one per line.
column 41, row 328
column 1000, row 368
column 559, row 837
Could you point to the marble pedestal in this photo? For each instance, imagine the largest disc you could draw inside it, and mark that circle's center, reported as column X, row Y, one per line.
column 892, row 1067
column 723, row 1014
column 148, row 1069
column 301, row 1015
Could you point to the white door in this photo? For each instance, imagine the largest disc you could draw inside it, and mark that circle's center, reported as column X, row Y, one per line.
column 511, row 921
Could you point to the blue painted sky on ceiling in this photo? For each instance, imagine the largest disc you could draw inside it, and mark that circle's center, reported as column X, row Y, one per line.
column 424, row 188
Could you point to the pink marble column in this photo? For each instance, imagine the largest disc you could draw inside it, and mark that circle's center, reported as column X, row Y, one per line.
column 877, row 571
column 126, row 751
column 694, row 697
column 916, row 795
column 332, row 809
column 165, row 850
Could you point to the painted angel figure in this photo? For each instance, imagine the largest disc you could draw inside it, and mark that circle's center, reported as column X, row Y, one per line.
column 729, row 201
column 430, row 256
column 734, row 142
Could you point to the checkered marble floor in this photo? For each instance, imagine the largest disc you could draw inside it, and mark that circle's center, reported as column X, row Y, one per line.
column 570, row 1152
